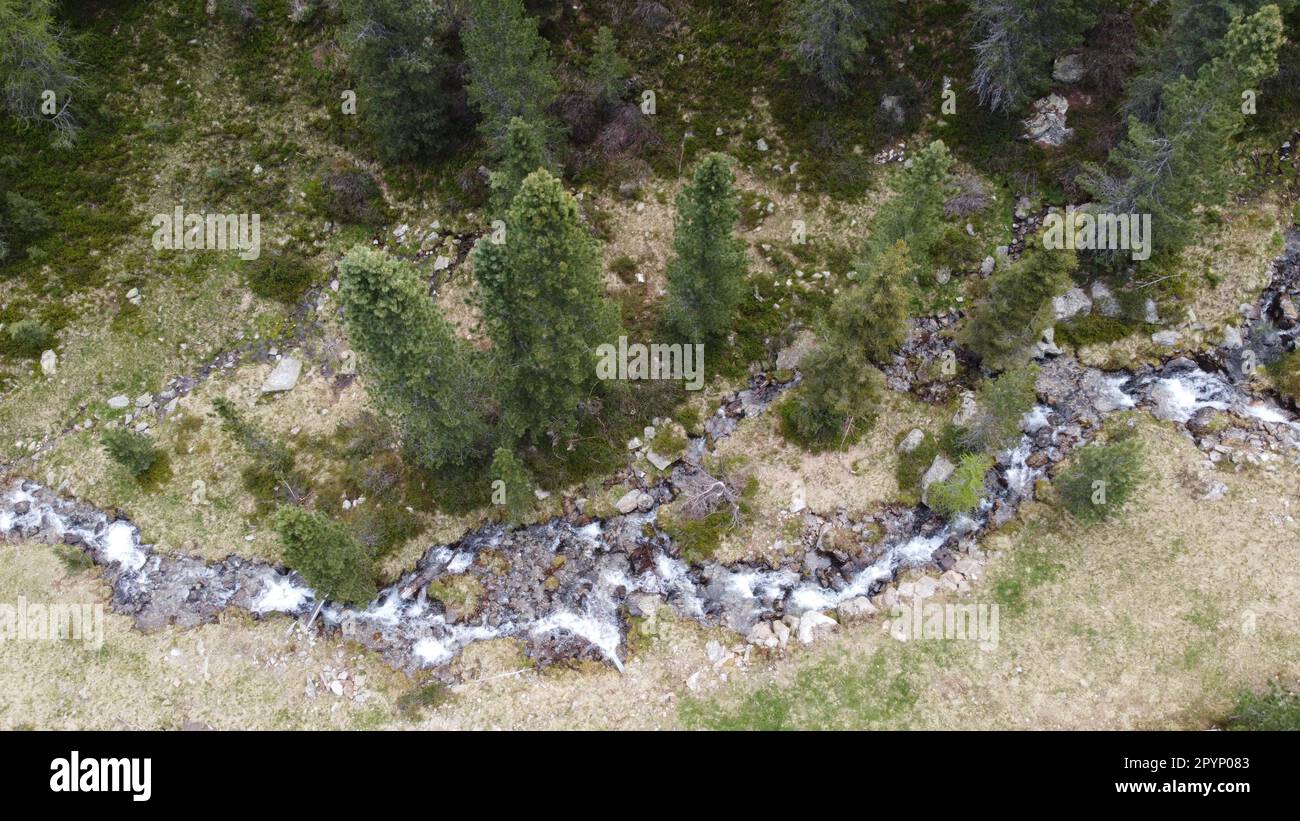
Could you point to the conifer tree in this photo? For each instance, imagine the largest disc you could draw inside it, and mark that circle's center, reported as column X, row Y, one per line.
column 1001, row 405
column 524, row 153
column 706, row 279
column 828, row 38
column 1183, row 160
column 1015, row 43
column 838, row 399
column 1019, row 307
column 335, row 565
column 516, row 483
column 33, row 61
column 430, row 386
column 915, row 213
column 873, row 314
column 509, row 68
column 540, row 293
column 404, row 70
column 607, row 71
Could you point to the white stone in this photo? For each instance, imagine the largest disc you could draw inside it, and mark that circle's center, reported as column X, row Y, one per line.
column 1072, row 303
column 284, row 377
column 911, row 441
column 119, row 402
column 858, row 607
column 1166, row 338
column 815, row 625
column 49, row 363
column 628, row 502
column 441, row 263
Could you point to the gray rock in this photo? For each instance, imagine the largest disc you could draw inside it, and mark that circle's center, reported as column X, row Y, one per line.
column 1166, row 338
column 660, row 462
column 284, row 377
column 1068, row 68
column 143, row 400
column 1150, row 314
column 892, row 107
column 49, row 363
column 119, row 402
column 1103, row 301
column 966, row 412
column 814, row 626
column 856, row 608
column 986, row 267
column 1231, row 337
column 911, row 441
column 1047, row 125
column 628, row 502
column 940, row 469
column 1072, row 303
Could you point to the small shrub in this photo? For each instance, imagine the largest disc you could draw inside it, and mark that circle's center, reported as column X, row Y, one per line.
column 1102, row 480
column 515, row 494
column 278, row 276
column 348, row 196
column 133, row 451
column 1002, row 403
column 961, row 492
column 28, row 338
column 1286, row 375
column 911, row 466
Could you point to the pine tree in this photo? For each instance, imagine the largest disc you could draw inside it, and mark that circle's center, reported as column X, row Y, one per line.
column 1190, row 39
column 706, row 279
column 33, row 61
column 509, row 68
column 607, row 71
column 400, row 59
column 1015, row 43
column 1019, row 308
column 828, row 39
column 873, row 314
column 1102, row 479
column 1001, row 405
column 332, row 562
column 915, row 213
column 838, row 399
column 1184, row 159
column 517, row 485
column 524, row 153
column 426, row 383
column 543, row 307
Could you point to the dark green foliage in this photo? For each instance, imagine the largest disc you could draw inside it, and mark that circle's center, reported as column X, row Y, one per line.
column 509, row 68
column 828, row 39
column 1015, row 43
column 405, row 74
column 431, row 387
column 607, row 71
column 514, row 497
column 706, row 278
column 1182, row 159
column 133, row 451
column 837, row 401
column 278, row 275
column 348, row 195
column 33, row 60
column 1191, row 38
column 28, row 338
column 331, row 561
column 912, row 465
column 1102, row 479
column 1286, row 375
column 960, row 492
column 1001, row 403
column 874, row 313
column 524, row 153
column 915, row 213
column 1019, row 308
column 542, row 303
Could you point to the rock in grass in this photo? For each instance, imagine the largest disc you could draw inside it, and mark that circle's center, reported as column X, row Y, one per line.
column 49, row 363
column 284, row 377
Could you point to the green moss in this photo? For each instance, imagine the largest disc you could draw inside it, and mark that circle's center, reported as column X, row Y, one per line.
column 461, row 595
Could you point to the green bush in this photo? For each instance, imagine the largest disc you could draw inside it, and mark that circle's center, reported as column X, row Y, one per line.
column 1102, row 479
column 1286, row 375
column 911, row 465
column 331, row 561
column 279, row 276
column 133, row 451
column 348, row 195
column 1002, row 403
column 836, row 402
column 28, row 338
column 961, row 492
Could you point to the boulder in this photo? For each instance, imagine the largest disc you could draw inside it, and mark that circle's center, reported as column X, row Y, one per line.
column 911, row 441
column 49, row 363
column 119, row 402
column 1068, row 68
column 940, row 469
column 1072, row 303
column 628, row 502
column 1166, row 338
column 815, row 625
column 856, row 608
column 284, row 377
column 1047, row 126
